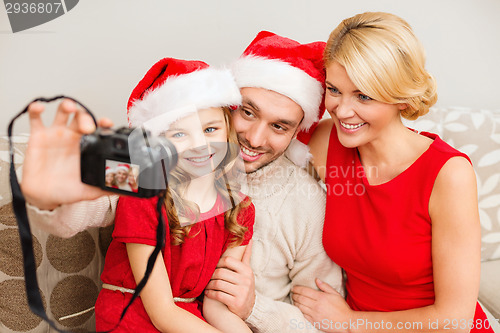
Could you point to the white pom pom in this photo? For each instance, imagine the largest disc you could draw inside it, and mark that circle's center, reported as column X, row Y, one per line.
column 298, row 153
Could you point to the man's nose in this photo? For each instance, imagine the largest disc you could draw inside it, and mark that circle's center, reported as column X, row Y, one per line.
column 257, row 135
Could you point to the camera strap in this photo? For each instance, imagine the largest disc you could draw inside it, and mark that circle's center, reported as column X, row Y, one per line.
column 19, row 206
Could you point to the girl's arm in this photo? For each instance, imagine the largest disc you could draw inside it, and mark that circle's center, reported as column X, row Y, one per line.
column 453, row 209
column 217, row 313
column 157, row 295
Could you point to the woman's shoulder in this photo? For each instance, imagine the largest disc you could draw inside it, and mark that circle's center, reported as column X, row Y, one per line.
column 318, row 145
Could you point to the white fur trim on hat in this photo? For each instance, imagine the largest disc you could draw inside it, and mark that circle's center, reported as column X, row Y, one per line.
column 298, row 153
column 283, row 78
column 194, row 91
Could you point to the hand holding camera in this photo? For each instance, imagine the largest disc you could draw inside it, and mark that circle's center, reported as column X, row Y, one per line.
column 51, row 169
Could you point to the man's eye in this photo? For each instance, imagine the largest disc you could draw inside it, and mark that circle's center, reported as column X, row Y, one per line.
column 247, row 112
column 279, row 127
column 364, row 97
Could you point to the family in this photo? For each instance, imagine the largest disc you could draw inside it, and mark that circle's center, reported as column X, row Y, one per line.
column 398, row 251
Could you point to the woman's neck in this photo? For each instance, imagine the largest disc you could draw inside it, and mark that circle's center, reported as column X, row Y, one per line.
column 391, row 153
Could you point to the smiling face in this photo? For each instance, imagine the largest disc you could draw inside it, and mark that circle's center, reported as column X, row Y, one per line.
column 358, row 118
column 265, row 125
column 200, row 140
column 121, row 176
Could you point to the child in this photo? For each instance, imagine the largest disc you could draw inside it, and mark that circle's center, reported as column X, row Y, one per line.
column 110, row 177
column 191, row 101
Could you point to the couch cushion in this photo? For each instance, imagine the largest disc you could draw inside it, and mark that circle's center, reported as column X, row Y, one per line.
column 490, row 286
column 476, row 133
column 68, row 269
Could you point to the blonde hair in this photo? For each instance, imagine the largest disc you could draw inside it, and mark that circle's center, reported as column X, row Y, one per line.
column 187, row 211
column 385, row 60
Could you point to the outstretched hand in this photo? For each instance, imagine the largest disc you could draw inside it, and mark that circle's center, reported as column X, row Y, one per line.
column 51, row 168
column 318, row 305
column 233, row 284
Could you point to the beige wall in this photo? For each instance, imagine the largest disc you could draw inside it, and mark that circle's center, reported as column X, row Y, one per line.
column 98, row 51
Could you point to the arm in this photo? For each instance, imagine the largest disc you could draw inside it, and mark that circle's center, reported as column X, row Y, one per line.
column 157, row 295
column 217, row 313
column 456, row 259
column 68, row 220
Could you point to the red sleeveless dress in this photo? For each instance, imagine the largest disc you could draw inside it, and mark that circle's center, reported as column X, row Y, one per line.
column 381, row 235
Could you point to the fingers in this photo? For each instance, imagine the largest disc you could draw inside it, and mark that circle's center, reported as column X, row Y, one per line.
column 227, row 275
column 227, row 299
column 82, row 122
column 235, row 265
column 305, row 304
column 105, row 122
column 64, row 110
column 326, row 287
column 223, row 286
column 247, row 254
column 35, row 111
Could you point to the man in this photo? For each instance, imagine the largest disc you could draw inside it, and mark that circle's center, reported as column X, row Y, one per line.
column 281, row 83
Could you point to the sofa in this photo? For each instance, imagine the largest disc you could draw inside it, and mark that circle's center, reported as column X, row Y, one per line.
column 69, row 269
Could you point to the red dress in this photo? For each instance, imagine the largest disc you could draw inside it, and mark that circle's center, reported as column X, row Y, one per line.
column 381, row 235
column 189, row 265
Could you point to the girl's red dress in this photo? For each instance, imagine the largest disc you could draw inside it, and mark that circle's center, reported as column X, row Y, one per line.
column 381, row 235
column 189, row 265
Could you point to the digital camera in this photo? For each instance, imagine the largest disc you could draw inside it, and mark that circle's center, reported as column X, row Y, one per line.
column 127, row 161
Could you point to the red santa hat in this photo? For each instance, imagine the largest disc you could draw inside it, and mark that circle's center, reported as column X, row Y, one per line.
column 109, row 170
column 292, row 69
column 172, row 88
column 123, row 166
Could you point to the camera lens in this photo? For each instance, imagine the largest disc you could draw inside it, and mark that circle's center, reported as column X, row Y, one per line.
column 119, row 144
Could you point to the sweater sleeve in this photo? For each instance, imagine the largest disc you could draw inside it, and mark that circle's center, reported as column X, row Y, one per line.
column 310, row 261
column 68, row 220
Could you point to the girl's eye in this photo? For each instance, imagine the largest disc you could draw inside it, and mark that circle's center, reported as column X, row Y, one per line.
column 364, row 97
column 333, row 90
column 178, row 135
column 210, row 129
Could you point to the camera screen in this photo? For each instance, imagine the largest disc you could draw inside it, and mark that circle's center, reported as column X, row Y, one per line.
column 121, row 175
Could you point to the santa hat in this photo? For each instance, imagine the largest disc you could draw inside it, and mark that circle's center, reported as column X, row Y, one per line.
column 292, row 69
column 173, row 88
column 109, row 170
column 124, row 167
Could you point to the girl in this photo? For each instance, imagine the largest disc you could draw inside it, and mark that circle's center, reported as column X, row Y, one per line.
column 207, row 216
column 407, row 233
column 110, row 177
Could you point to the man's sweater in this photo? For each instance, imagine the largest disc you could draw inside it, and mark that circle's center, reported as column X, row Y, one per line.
column 287, row 243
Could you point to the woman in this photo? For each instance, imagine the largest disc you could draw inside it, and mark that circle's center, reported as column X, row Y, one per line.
column 401, row 216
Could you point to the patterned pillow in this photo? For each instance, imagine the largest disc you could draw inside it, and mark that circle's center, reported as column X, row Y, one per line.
column 68, row 269
column 476, row 133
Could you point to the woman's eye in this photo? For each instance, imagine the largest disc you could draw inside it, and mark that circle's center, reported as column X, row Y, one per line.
column 210, row 129
column 364, row 97
column 333, row 90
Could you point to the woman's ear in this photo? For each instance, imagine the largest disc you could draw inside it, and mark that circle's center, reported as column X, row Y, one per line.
column 402, row 106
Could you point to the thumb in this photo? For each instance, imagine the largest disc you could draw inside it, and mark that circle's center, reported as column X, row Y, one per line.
column 247, row 254
column 323, row 286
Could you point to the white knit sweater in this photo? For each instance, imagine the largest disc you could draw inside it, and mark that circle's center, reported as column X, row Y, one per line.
column 287, row 242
